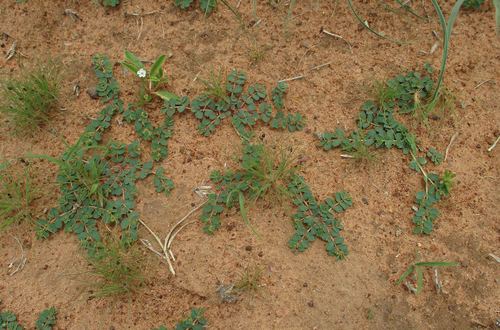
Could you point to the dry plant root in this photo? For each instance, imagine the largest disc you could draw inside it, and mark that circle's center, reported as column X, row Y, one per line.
column 166, row 252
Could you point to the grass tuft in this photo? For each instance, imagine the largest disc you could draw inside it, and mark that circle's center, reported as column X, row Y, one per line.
column 250, row 281
column 116, row 273
column 18, row 191
column 214, row 85
column 28, row 97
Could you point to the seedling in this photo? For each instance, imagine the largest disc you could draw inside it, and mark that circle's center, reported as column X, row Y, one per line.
column 417, row 266
column 47, row 319
column 250, row 279
column 150, row 81
column 8, row 321
column 28, row 97
column 256, row 52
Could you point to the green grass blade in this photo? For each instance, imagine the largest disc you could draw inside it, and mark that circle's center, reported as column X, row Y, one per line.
column 436, row 264
column 446, row 37
column 366, row 26
column 51, row 159
column 496, row 3
column 287, row 20
column 411, row 12
column 255, row 10
column 238, row 17
column 395, row 12
column 408, row 271
column 275, row 5
column 242, row 208
column 420, row 280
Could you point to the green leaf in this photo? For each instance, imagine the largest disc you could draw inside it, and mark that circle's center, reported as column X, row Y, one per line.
column 242, row 208
column 496, row 3
column 131, row 57
column 420, row 279
column 421, row 160
column 157, row 65
column 167, row 95
column 131, row 67
column 408, row 271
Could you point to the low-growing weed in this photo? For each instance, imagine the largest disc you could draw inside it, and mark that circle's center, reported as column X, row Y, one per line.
column 360, row 153
column 312, row 220
column 249, row 281
column 214, row 85
column 194, row 321
column 377, row 127
column 226, row 98
column 256, row 52
column 97, row 183
column 28, row 97
column 8, row 321
column 472, row 3
column 47, row 319
column 18, row 191
column 111, row 3
column 265, row 170
column 150, row 81
column 417, row 266
column 270, row 166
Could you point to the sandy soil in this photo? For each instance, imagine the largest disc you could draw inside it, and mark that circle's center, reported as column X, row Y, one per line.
column 308, row 290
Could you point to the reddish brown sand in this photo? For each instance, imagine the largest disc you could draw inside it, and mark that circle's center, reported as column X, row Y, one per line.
column 308, row 290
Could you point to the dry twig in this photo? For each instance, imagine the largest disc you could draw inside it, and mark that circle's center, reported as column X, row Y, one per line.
column 73, row 14
column 166, row 252
column 449, row 145
column 337, row 36
column 21, row 263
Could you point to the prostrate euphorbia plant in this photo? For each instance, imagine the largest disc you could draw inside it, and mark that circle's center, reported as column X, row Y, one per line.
column 150, row 80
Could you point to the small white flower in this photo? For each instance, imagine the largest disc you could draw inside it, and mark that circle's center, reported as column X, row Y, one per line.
column 141, row 73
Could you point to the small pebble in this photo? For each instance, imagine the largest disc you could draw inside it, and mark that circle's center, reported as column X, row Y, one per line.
column 248, row 248
column 365, row 201
column 310, row 304
column 93, row 93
